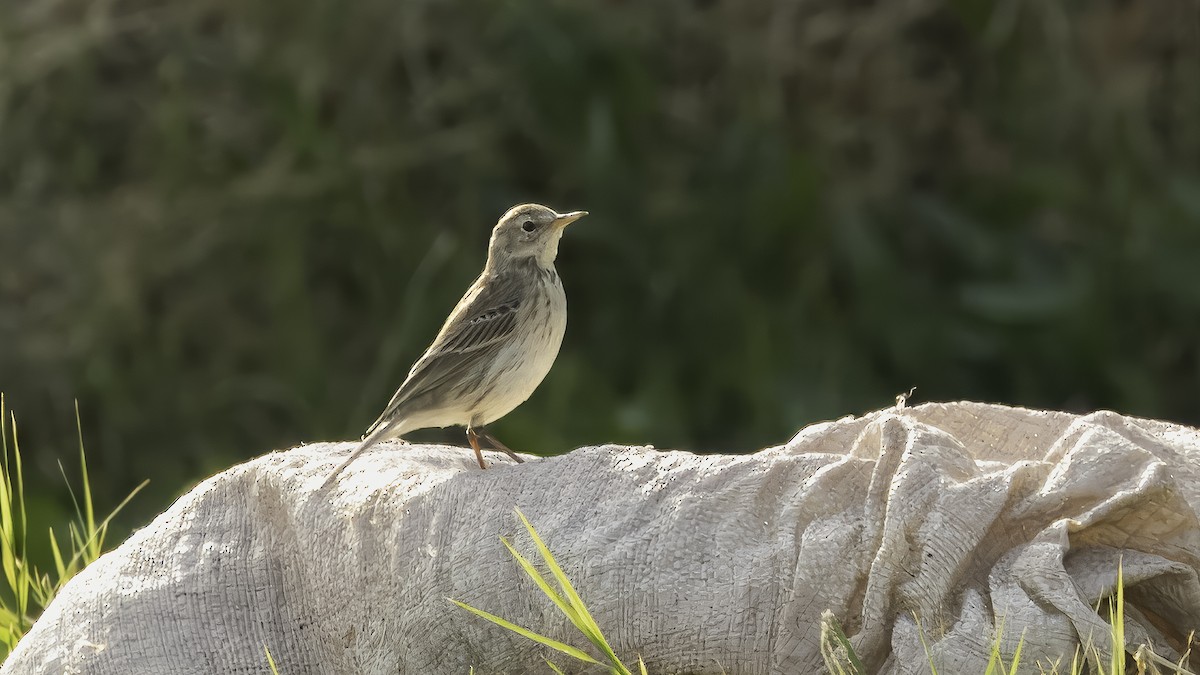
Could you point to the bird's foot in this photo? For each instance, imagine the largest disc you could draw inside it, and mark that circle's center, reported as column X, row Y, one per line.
column 473, row 439
column 495, row 443
column 475, row 434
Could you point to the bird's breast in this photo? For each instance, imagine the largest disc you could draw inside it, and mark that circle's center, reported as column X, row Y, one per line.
column 524, row 362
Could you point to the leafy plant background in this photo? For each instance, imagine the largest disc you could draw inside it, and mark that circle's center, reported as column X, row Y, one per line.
column 230, row 227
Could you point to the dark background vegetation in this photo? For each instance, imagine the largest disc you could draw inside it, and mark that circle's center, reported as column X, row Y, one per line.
column 228, row 227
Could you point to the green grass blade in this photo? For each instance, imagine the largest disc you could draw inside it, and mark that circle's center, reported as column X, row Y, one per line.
column 89, row 513
column 554, row 667
column 993, row 662
column 540, row 639
column 270, row 661
column 1117, row 619
column 541, row 582
column 586, row 624
column 1012, row 669
column 16, row 569
column 996, row 659
column 8, row 631
column 8, row 544
column 19, row 472
column 60, row 567
column 8, row 540
column 84, row 552
column 925, row 645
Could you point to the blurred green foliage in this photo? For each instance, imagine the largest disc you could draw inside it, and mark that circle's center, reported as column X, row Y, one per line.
column 228, row 227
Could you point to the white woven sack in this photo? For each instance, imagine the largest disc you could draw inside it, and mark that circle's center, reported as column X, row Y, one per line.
column 963, row 515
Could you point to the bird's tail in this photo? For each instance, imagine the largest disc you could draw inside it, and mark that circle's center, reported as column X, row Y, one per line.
column 377, row 434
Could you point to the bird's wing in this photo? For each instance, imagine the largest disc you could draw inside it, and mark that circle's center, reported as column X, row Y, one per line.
column 472, row 335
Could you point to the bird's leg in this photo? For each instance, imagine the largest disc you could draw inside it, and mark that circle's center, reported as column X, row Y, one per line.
column 473, row 439
column 495, row 443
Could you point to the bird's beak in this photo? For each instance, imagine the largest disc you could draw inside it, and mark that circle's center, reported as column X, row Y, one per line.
column 565, row 219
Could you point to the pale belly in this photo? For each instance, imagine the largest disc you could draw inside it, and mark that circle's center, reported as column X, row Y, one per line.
column 521, row 366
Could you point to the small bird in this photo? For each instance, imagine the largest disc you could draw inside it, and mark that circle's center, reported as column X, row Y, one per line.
column 497, row 344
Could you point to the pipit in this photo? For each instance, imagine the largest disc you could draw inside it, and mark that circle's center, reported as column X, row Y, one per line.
column 497, row 344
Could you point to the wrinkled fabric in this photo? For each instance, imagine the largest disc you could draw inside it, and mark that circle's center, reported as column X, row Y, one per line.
column 940, row 522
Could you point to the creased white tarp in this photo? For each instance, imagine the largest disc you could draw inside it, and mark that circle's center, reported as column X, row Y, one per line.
column 966, row 515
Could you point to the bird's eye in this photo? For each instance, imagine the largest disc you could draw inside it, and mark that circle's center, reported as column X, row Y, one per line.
column 528, row 226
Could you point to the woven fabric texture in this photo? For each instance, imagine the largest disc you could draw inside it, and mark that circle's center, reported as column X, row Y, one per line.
column 941, row 520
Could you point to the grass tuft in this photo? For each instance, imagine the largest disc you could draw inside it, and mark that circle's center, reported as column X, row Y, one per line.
column 27, row 591
column 562, row 593
column 1088, row 659
column 836, row 649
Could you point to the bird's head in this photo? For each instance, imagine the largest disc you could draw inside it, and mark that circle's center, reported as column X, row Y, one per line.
column 529, row 231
